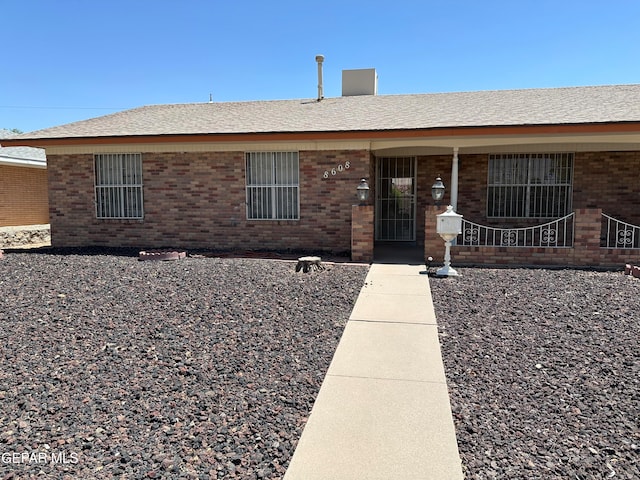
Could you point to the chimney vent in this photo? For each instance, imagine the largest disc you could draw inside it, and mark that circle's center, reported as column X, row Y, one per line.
column 320, row 59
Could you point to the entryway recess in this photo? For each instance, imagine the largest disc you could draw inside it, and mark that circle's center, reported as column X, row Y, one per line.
column 395, row 199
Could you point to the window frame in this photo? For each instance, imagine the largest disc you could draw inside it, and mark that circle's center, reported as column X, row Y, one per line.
column 118, row 186
column 272, row 186
column 542, row 189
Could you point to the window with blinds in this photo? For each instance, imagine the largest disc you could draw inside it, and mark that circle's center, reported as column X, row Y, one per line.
column 530, row 185
column 118, row 185
column 272, row 186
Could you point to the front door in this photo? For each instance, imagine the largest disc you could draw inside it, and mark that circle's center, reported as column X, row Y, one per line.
column 396, row 199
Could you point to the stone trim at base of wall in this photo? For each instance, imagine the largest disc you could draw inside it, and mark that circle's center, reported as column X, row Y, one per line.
column 25, row 236
column 539, row 257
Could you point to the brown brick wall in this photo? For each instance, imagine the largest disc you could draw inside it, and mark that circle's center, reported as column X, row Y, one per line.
column 197, row 200
column 428, row 169
column 609, row 181
column 362, row 233
column 23, row 196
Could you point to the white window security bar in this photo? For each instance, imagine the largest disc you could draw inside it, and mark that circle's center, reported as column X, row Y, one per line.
column 118, row 185
column 272, row 182
column 530, row 185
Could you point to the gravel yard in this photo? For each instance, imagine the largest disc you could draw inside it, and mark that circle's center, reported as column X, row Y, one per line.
column 543, row 368
column 199, row 368
column 207, row 368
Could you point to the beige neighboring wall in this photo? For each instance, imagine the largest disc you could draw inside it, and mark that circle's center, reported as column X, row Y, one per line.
column 23, row 196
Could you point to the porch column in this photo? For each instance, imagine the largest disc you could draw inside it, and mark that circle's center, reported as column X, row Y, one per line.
column 454, row 179
column 586, row 241
column 362, row 233
column 433, row 244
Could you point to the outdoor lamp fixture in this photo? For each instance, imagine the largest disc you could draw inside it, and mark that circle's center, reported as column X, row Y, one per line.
column 448, row 226
column 363, row 191
column 437, row 191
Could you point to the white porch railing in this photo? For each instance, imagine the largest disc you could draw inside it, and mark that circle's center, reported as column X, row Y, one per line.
column 555, row 234
column 619, row 234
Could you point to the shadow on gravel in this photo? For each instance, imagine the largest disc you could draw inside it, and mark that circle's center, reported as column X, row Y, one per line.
column 337, row 257
column 116, row 252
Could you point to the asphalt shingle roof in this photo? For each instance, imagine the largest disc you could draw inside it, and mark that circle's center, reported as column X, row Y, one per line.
column 20, row 155
column 4, row 133
column 552, row 106
column 23, row 153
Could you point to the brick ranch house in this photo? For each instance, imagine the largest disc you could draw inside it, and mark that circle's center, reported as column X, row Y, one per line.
column 541, row 176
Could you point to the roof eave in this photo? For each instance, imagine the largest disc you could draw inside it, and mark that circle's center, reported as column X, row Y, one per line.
column 481, row 130
column 29, row 163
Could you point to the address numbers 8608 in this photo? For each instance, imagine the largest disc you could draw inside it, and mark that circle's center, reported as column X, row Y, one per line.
column 336, row 170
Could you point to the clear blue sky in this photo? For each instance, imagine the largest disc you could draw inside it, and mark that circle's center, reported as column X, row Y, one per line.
column 69, row 60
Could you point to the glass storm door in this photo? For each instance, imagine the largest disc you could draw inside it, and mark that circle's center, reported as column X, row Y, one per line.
column 396, row 199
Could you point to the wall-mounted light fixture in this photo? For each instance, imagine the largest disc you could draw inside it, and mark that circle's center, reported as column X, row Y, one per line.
column 437, row 191
column 363, row 191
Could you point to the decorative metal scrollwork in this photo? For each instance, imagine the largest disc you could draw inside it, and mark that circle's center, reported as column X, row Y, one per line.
column 471, row 236
column 548, row 235
column 555, row 234
column 509, row 238
column 625, row 237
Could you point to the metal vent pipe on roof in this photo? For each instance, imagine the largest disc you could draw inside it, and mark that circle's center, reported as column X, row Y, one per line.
column 320, row 59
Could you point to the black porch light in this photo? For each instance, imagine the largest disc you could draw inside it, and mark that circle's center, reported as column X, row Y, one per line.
column 437, row 191
column 363, row 191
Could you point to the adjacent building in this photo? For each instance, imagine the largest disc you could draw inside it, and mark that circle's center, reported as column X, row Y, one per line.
column 23, row 185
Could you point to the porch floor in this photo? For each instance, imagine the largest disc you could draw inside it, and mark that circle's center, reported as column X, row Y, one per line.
column 404, row 253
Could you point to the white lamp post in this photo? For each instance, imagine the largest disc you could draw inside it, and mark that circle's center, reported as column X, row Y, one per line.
column 448, row 226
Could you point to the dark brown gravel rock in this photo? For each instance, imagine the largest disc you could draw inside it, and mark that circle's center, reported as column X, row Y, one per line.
column 543, row 368
column 199, row 368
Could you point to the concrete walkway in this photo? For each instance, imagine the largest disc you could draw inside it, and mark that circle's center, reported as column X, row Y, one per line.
column 383, row 409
